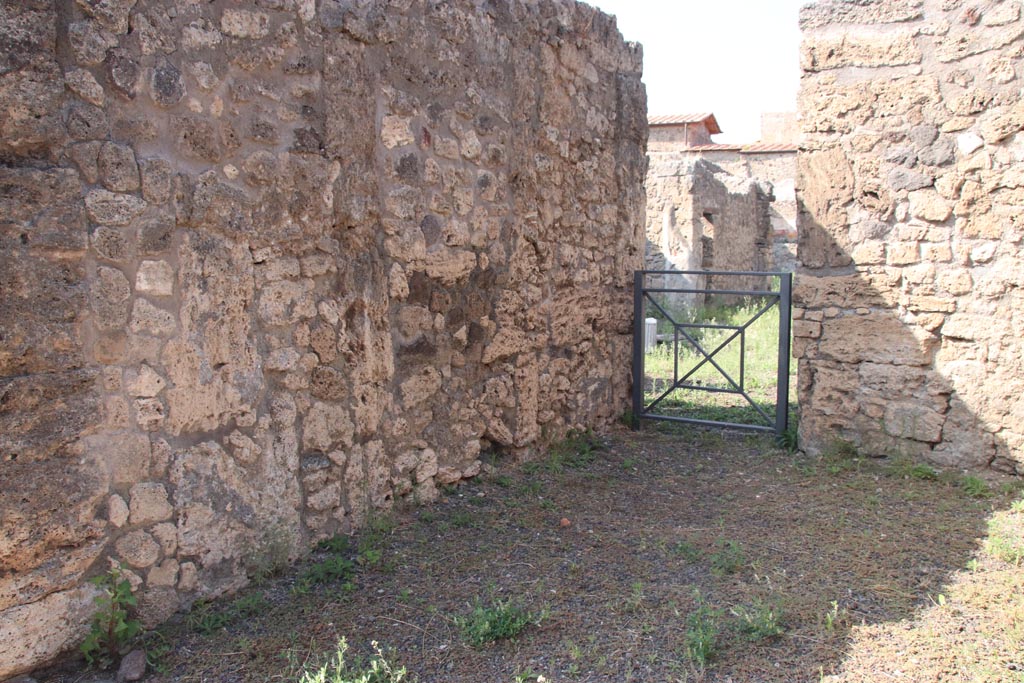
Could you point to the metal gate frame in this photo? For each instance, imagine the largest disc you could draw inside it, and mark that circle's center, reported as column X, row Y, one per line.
column 781, row 297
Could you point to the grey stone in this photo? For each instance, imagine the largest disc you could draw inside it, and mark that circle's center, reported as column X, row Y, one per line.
column 167, row 87
column 118, row 170
column 132, row 667
column 123, row 72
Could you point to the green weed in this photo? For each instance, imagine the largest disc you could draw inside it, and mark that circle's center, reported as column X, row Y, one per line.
column 113, row 628
column 975, row 487
column 759, row 621
column 270, row 556
column 728, row 559
column 338, row 545
column 487, row 623
column 702, row 632
column 578, row 449
column 329, row 570
column 834, row 616
column 206, row 618
column 686, row 551
column 337, row 670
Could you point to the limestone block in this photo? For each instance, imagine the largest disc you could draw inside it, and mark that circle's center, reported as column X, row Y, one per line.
column 111, row 208
column 806, row 328
column 37, row 632
column 188, row 577
column 858, row 48
column 84, row 84
column 420, row 387
column 117, row 511
column 326, row 426
column 149, row 504
column 164, row 574
column 148, row 319
column 876, row 338
column 110, row 295
column 155, row 278
column 914, row 421
column 287, row 302
column 138, row 549
column 396, row 132
column 929, row 206
column 239, row 23
column 838, row 12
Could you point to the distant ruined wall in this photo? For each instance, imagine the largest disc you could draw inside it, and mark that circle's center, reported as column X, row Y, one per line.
column 683, row 189
column 910, row 303
column 269, row 265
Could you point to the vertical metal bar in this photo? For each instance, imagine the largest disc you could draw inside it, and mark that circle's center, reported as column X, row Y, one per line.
column 785, row 314
column 743, row 355
column 638, row 348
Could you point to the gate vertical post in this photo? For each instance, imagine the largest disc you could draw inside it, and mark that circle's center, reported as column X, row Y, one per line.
column 782, row 384
column 638, row 348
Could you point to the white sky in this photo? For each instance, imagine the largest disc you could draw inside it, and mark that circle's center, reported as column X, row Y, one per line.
column 733, row 58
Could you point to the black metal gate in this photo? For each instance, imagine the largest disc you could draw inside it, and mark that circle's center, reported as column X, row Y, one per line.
column 651, row 400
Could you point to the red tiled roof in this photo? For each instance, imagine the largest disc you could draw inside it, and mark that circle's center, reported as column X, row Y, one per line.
column 768, row 148
column 681, row 119
column 713, row 147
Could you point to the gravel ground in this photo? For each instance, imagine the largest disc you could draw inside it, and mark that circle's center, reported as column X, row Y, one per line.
column 668, row 555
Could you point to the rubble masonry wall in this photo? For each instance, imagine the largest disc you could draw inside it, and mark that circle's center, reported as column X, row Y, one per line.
column 269, row 265
column 910, row 187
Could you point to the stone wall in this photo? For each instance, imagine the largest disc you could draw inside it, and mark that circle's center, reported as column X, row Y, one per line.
column 269, row 265
column 909, row 306
column 703, row 216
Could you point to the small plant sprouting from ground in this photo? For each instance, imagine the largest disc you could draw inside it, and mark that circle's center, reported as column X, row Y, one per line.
column 576, row 450
column 701, row 637
column 788, row 440
column 270, row 556
column 834, row 617
column 728, row 559
column 840, row 455
column 207, row 618
column 337, row 670
column 334, row 568
column 759, row 621
column 112, row 629
column 496, row 621
column 686, row 551
column 975, row 487
column 337, row 545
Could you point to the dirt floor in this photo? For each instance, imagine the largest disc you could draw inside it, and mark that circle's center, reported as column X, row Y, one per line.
column 672, row 555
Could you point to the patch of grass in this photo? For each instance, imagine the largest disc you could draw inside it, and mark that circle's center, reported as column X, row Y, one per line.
column 338, row 545
column 975, row 487
column 702, row 632
column 270, row 555
column 487, row 623
column 685, row 550
column 728, row 559
column 337, row 670
column 503, row 480
column 904, row 468
column 206, row 618
column 578, row 449
column 840, row 455
column 636, row 597
column 329, row 570
column 462, row 519
column 1006, row 536
column 758, row 621
column 788, row 440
